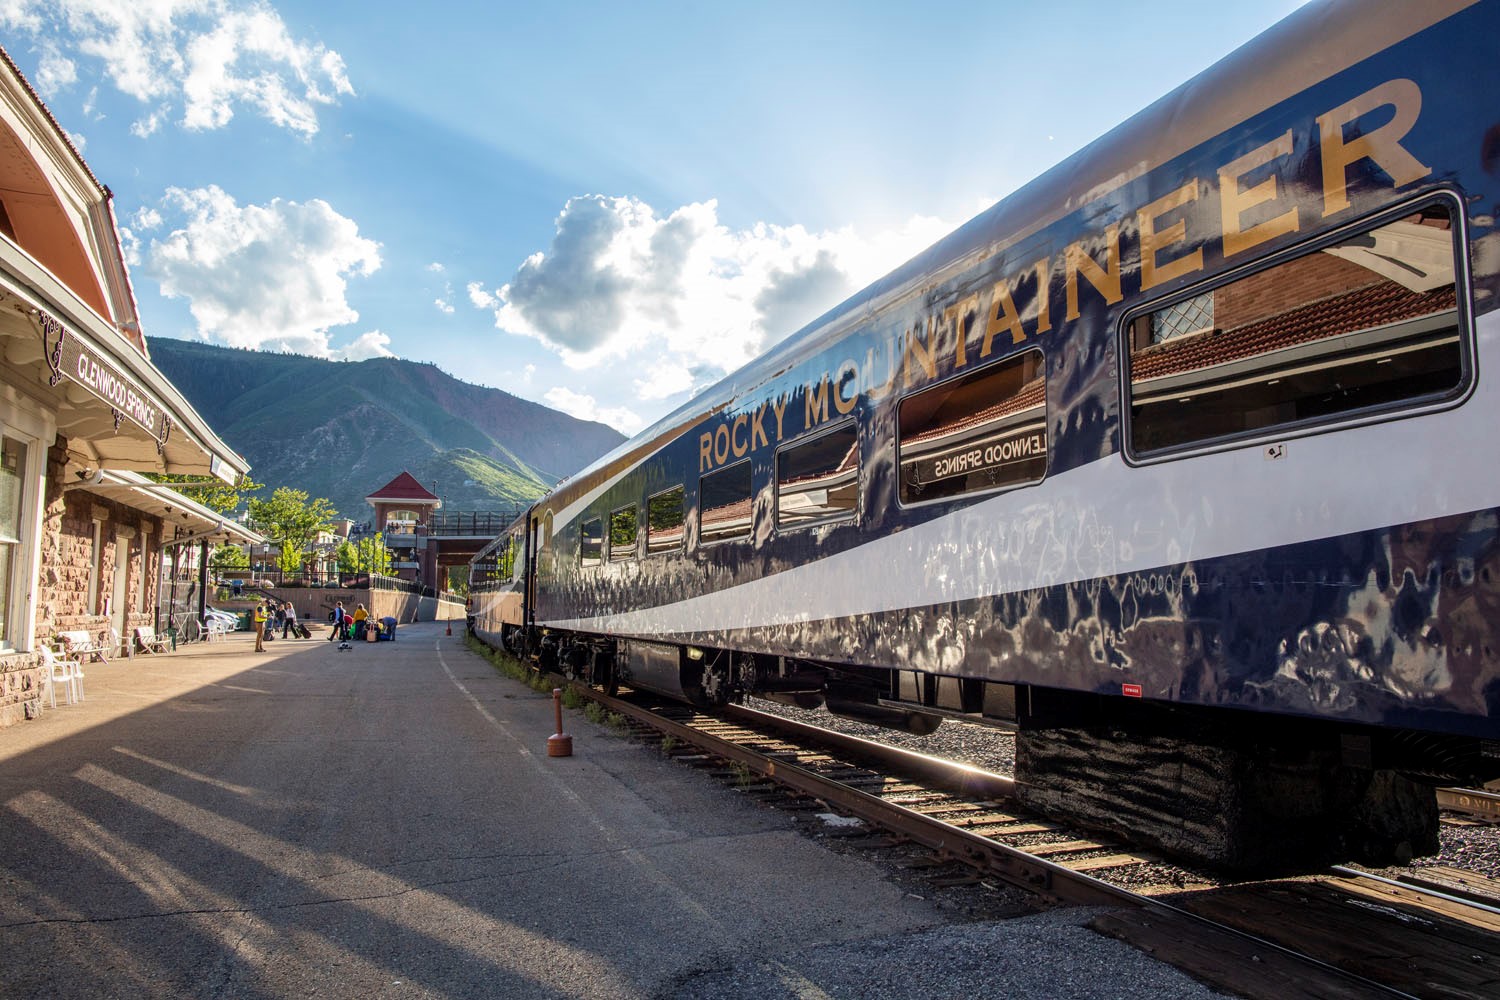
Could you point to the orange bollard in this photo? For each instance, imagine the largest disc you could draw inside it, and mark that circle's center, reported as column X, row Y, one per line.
column 559, row 745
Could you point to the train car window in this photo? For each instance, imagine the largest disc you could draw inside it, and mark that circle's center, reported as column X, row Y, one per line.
column 622, row 533
column 665, row 521
column 986, row 430
column 724, row 500
column 516, row 556
column 591, row 541
column 1370, row 322
column 818, row 480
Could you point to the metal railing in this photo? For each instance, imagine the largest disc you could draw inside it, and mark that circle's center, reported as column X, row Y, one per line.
column 483, row 523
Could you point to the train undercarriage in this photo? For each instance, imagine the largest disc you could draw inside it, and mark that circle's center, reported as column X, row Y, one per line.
column 1229, row 789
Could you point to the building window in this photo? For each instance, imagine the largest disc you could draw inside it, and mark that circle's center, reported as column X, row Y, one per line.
column 622, row 533
column 401, row 522
column 142, row 582
column 591, row 541
column 1366, row 324
column 96, row 568
column 984, row 431
column 724, row 504
column 12, row 497
column 665, row 517
column 818, row 480
column 1193, row 315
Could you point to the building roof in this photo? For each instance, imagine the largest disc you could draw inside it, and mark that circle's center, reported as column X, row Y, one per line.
column 184, row 519
column 404, row 487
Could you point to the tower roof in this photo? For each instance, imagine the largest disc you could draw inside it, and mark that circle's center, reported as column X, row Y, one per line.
column 406, row 488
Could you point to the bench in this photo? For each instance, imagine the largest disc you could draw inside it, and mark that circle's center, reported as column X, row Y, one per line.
column 78, row 643
column 149, row 642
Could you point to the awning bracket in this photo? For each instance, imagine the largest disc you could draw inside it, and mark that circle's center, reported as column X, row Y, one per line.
column 54, row 358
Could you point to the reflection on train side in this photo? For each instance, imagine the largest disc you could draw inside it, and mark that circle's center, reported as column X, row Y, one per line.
column 665, row 521
column 725, row 500
column 984, row 431
column 818, row 480
column 1363, row 324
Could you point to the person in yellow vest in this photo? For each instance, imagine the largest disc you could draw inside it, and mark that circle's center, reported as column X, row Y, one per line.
column 360, row 614
column 258, row 616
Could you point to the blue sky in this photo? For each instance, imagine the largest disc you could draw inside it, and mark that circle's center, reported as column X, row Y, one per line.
column 600, row 207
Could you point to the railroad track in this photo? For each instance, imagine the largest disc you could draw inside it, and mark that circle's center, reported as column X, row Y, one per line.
column 1340, row 933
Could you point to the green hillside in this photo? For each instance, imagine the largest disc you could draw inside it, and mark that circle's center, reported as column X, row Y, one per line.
column 342, row 430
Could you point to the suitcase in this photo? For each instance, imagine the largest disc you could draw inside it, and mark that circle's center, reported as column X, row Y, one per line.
column 302, row 631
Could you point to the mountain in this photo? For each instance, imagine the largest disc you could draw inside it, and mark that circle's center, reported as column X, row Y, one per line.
column 343, row 429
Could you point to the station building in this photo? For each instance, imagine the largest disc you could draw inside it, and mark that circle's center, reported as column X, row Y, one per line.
column 83, row 412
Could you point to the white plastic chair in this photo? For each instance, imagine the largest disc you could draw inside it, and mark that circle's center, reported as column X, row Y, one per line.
column 78, row 679
column 58, row 670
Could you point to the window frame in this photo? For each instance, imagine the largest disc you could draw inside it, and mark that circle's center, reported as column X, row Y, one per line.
column 1307, row 427
column 635, row 547
column 749, row 533
column 681, row 544
column 811, row 437
column 583, row 558
column 18, row 592
column 971, row 373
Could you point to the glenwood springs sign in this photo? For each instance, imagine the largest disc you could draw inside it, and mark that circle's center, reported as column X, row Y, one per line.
column 69, row 355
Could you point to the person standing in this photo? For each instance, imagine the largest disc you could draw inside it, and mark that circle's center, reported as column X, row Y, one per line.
column 259, row 618
column 279, row 619
column 290, row 624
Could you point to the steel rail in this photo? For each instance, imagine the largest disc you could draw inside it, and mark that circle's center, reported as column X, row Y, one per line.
column 1421, row 889
column 960, row 777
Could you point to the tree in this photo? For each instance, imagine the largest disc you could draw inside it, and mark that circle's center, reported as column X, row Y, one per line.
column 289, row 519
column 229, row 560
column 364, row 555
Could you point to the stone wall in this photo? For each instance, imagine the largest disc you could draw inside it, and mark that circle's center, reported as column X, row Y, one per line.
column 62, row 593
column 21, row 680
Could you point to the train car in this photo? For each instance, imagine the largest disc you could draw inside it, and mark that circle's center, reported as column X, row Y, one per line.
column 1180, row 459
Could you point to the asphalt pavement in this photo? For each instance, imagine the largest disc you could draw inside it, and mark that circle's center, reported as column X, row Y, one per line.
column 385, row 821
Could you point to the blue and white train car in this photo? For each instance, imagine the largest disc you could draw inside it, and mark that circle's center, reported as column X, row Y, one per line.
column 1191, row 439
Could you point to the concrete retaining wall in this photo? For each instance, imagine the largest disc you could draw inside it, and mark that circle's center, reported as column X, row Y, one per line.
column 315, row 604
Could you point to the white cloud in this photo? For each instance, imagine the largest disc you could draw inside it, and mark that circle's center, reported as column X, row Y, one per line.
column 366, row 345
column 585, row 407
column 209, row 56
column 480, row 298
column 685, row 298
column 144, row 128
column 443, row 306
column 263, row 276
column 436, row 268
column 55, row 72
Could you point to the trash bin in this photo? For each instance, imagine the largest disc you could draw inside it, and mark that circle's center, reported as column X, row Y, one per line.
column 242, row 621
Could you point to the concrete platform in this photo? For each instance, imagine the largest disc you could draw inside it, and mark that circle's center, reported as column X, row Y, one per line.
column 384, row 821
